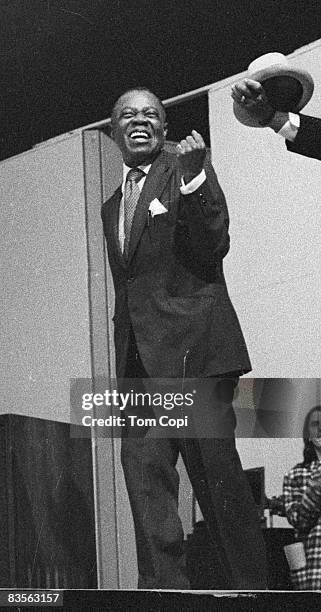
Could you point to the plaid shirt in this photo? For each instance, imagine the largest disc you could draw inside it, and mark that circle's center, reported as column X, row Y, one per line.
column 302, row 502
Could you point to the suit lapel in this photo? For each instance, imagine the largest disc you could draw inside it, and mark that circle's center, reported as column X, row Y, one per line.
column 154, row 185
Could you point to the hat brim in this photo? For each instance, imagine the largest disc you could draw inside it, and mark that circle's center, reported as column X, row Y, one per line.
column 304, row 78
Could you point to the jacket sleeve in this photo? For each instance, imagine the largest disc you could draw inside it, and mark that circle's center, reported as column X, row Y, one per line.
column 302, row 509
column 308, row 139
column 205, row 216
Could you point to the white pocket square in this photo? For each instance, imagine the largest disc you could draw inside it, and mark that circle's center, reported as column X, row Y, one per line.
column 157, row 208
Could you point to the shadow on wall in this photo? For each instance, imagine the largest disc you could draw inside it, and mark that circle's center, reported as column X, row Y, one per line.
column 275, row 404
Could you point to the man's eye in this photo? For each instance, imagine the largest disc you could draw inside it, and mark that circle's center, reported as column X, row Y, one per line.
column 126, row 115
column 152, row 114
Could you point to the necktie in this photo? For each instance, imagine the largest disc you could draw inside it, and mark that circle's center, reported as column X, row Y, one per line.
column 132, row 194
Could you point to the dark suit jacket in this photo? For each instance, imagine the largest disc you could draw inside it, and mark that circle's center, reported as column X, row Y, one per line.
column 172, row 289
column 308, row 138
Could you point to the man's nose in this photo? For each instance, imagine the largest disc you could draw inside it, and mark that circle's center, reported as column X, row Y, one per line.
column 139, row 118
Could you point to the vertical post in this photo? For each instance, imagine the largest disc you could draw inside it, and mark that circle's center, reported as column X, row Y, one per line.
column 101, row 298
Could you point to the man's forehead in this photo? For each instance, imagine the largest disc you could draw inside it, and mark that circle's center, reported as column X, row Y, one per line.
column 138, row 99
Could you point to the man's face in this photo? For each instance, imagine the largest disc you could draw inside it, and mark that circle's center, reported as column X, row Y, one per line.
column 139, row 127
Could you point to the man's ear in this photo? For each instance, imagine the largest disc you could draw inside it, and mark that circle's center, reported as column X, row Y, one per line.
column 165, row 129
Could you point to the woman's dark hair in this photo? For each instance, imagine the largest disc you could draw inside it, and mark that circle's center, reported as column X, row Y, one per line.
column 309, row 453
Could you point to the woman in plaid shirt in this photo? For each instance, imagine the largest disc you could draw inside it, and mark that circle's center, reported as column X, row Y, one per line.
column 302, row 501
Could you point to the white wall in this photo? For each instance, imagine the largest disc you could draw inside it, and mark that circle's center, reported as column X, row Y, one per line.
column 44, row 306
column 273, row 267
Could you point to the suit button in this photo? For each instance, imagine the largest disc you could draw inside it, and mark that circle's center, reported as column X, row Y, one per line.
column 130, row 279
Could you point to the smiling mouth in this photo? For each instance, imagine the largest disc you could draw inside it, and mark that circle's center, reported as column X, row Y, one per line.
column 139, row 136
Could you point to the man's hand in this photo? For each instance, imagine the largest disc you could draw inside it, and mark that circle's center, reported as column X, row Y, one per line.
column 251, row 95
column 191, row 154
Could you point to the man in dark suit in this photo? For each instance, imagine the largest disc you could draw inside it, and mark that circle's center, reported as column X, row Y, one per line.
column 302, row 133
column 166, row 229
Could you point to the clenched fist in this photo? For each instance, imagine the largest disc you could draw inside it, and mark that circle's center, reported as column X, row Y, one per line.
column 191, row 152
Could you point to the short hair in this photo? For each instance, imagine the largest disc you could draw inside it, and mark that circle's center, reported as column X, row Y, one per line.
column 309, row 452
column 138, row 88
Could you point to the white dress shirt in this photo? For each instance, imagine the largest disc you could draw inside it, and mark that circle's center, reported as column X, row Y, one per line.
column 290, row 129
column 190, row 187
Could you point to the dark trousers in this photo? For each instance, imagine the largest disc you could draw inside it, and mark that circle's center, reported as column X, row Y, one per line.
column 221, row 489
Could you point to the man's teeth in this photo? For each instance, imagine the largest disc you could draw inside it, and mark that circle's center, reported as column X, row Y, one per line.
column 139, row 135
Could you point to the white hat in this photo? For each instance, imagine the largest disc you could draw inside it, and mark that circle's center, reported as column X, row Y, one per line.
column 273, row 65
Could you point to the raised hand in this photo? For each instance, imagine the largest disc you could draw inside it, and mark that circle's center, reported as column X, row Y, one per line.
column 191, row 152
column 251, row 95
